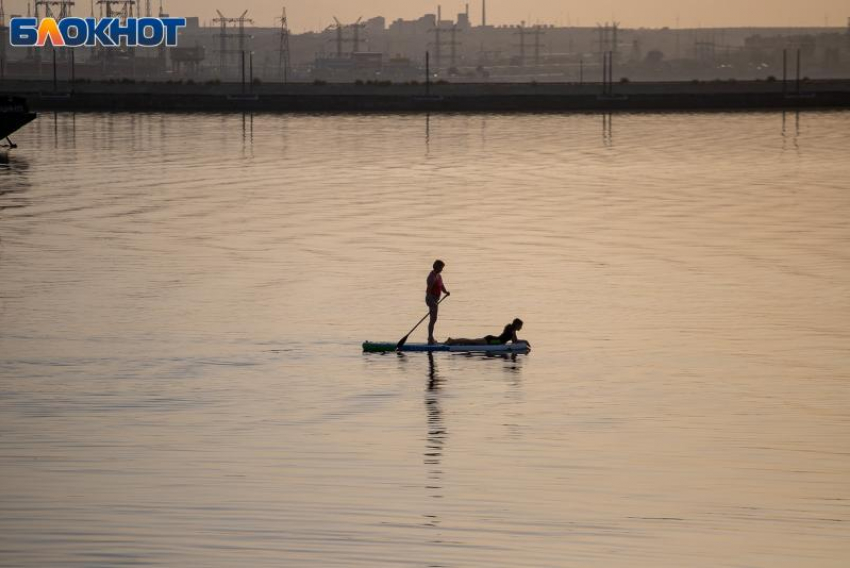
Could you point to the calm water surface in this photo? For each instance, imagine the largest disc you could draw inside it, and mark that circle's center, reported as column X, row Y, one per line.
column 183, row 297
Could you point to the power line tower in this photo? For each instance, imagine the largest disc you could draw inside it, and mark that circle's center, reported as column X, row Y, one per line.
column 453, row 44
column 121, row 9
column 285, row 61
column 608, row 38
column 705, row 50
column 56, row 9
column 440, row 42
column 438, row 45
column 163, row 52
column 848, row 32
column 522, row 32
column 226, row 38
column 341, row 40
column 118, row 8
column 537, row 32
column 355, row 29
column 603, row 40
column 615, row 41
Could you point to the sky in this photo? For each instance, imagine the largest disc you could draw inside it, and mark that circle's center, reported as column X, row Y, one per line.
column 317, row 14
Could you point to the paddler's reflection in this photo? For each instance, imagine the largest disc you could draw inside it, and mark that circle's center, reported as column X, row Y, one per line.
column 436, row 438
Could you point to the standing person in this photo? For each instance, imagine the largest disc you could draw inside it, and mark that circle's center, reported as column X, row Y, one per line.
column 432, row 296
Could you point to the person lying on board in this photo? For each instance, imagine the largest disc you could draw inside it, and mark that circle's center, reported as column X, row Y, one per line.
column 509, row 334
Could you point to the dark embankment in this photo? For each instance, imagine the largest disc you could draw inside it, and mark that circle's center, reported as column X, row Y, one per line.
column 455, row 97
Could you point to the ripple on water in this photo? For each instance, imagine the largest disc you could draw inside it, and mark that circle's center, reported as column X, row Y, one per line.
column 182, row 300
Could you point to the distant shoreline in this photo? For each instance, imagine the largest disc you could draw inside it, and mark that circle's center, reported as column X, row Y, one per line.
column 441, row 97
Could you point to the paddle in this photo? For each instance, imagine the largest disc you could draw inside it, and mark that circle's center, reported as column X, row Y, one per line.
column 404, row 339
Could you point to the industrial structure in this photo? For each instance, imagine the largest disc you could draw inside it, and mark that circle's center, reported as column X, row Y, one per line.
column 536, row 32
column 232, row 42
column 57, row 9
column 284, row 59
column 113, row 8
column 379, row 50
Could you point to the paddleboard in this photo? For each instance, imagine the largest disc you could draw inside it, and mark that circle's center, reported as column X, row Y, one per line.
column 519, row 347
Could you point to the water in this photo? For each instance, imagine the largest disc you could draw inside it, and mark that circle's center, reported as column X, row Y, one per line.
column 183, row 297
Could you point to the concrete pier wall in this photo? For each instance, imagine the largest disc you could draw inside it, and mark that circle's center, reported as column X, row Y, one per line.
column 453, row 97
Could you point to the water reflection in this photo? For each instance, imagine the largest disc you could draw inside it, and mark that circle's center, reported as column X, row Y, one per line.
column 515, row 365
column 513, row 361
column 10, row 162
column 436, row 438
column 14, row 181
column 701, row 353
column 514, row 422
column 59, row 129
column 65, row 130
column 427, row 132
column 796, row 135
column 248, row 127
column 607, row 130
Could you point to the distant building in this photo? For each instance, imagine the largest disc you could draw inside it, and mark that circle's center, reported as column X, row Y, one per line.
column 187, row 60
column 362, row 65
column 414, row 27
column 376, row 25
column 400, row 68
column 397, row 51
column 367, row 60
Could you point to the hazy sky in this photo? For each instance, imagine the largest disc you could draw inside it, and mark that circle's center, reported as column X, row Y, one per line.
column 317, row 14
